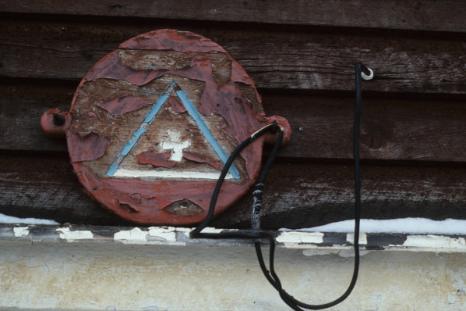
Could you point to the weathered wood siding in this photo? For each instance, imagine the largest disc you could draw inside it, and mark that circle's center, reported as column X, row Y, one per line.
column 301, row 54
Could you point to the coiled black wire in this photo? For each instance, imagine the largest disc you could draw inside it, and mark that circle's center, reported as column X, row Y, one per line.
column 258, row 235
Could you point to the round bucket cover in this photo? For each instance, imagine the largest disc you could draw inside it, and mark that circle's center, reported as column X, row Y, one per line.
column 152, row 123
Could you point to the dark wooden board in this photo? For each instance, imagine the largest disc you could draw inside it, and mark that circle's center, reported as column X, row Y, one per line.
column 297, row 195
column 301, row 56
column 446, row 15
column 307, row 194
column 393, row 128
column 314, row 60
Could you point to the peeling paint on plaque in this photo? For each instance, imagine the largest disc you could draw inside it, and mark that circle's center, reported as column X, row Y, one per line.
column 153, row 122
column 172, row 138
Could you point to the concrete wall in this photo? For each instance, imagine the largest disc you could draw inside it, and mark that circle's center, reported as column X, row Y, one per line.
column 112, row 276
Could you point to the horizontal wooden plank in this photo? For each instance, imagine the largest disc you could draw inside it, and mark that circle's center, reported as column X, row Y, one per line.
column 32, row 185
column 393, row 128
column 20, row 109
column 314, row 60
column 446, row 15
column 297, row 194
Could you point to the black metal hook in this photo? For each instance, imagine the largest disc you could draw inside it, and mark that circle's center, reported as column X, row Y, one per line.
column 366, row 72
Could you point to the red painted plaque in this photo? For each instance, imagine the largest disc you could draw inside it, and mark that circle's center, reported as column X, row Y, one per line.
column 152, row 123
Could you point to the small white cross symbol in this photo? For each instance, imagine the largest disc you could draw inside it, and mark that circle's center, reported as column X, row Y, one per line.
column 176, row 145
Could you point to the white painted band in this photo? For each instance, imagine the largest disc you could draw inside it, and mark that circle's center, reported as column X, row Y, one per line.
column 169, row 174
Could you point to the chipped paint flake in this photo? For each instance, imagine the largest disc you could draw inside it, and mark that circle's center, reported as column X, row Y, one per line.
column 154, row 235
column 211, row 230
column 67, row 234
column 164, row 234
column 435, row 242
column 20, row 232
column 6, row 219
column 296, row 237
column 134, row 235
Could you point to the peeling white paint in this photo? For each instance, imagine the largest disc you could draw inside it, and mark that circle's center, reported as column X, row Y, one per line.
column 293, row 238
column 211, row 230
column 362, row 238
column 157, row 235
column 135, row 235
column 435, row 242
column 154, row 235
column 287, row 239
column 165, row 234
column 6, row 219
column 20, row 232
column 399, row 225
column 67, row 234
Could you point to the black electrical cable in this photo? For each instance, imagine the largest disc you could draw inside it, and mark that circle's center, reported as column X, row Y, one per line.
column 240, row 234
column 271, row 275
column 257, row 234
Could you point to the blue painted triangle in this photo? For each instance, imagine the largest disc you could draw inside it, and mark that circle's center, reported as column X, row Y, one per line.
column 149, row 118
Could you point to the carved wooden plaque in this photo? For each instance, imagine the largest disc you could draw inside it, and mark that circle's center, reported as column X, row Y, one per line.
column 152, row 123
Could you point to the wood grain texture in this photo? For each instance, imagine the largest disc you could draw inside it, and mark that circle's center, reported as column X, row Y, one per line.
column 297, row 195
column 301, row 56
column 446, row 15
column 314, row 60
column 393, row 128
